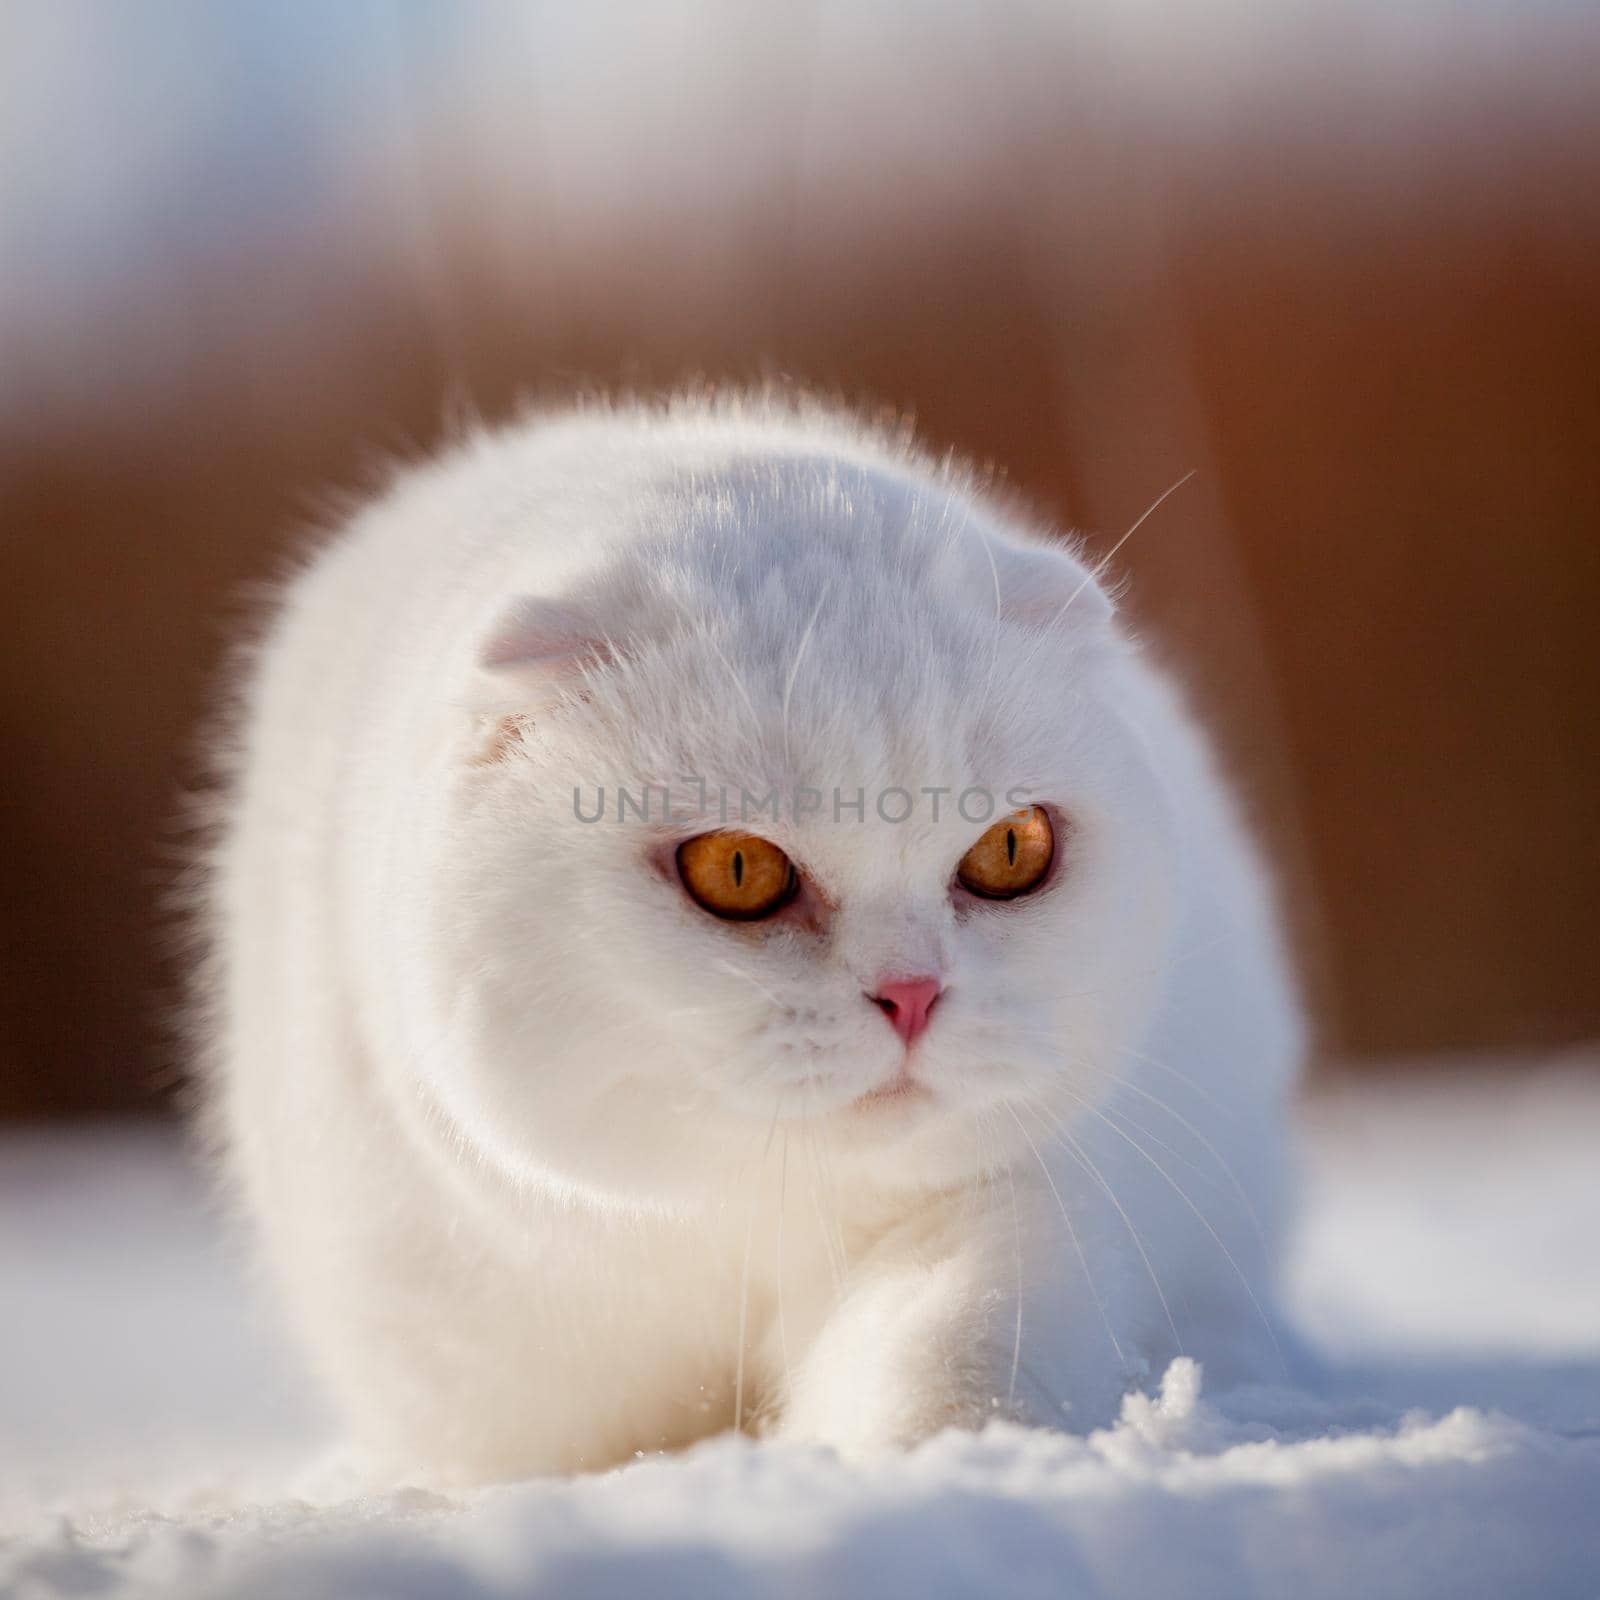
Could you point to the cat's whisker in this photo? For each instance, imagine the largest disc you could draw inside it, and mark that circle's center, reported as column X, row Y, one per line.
column 703, row 632
column 744, row 1272
column 1138, row 1127
column 783, row 1324
column 739, row 972
column 988, row 1168
column 1016, row 1342
column 831, row 1180
column 1212, row 1179
column 807, row 1146
column 794, row 669
column 999, row 612
column 983, row 1167
column 1105, row 561
column 694, row 1011
column 833, row 1245
column 1205, row 1144
column 1184, row 1078
column 971, row 1203
column 1204, row 1221
column 1077, row 1245
column 1080, row 1155
column 825, row 1152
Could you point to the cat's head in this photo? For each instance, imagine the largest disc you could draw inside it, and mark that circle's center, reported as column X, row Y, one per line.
column 817, row 807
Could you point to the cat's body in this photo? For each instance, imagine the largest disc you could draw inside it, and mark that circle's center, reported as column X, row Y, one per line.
column 554, row 1165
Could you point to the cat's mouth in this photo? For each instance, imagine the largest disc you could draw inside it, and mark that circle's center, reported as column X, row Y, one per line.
column 900, row 1090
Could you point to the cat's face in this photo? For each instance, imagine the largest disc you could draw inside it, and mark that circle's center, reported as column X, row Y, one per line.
column 864, row 848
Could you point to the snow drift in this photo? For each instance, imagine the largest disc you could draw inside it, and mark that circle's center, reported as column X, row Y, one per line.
column 153, row 1437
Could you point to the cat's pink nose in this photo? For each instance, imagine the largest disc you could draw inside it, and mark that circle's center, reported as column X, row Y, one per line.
column 906, row 1002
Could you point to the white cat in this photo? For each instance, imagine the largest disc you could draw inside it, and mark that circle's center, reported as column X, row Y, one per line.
column 910, row 1050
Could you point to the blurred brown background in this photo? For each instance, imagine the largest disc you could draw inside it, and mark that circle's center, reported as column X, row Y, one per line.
column 1342, row 261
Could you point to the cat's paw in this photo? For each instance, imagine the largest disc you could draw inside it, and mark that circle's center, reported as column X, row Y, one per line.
column 900, row 1360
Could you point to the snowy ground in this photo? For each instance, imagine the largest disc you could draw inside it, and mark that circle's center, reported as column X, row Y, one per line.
column 151, row 1428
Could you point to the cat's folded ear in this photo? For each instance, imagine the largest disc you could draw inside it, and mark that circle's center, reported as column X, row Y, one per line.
column 539, row 640
column 1035, row 583
column 1042, row 585
column 535, row 655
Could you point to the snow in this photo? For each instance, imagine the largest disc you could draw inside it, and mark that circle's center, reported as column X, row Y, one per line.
column 155, row 1438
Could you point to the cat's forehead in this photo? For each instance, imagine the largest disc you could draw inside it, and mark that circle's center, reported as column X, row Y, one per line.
column 822, row 494
column 773, row 538
column 895, row 696
column 813, row 627
column 852, row 575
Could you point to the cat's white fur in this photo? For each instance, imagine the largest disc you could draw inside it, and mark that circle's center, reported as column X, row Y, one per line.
column 551, row 1165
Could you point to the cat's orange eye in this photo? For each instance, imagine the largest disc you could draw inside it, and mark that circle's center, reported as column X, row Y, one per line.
column 740, row 876
column 1011, row 858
